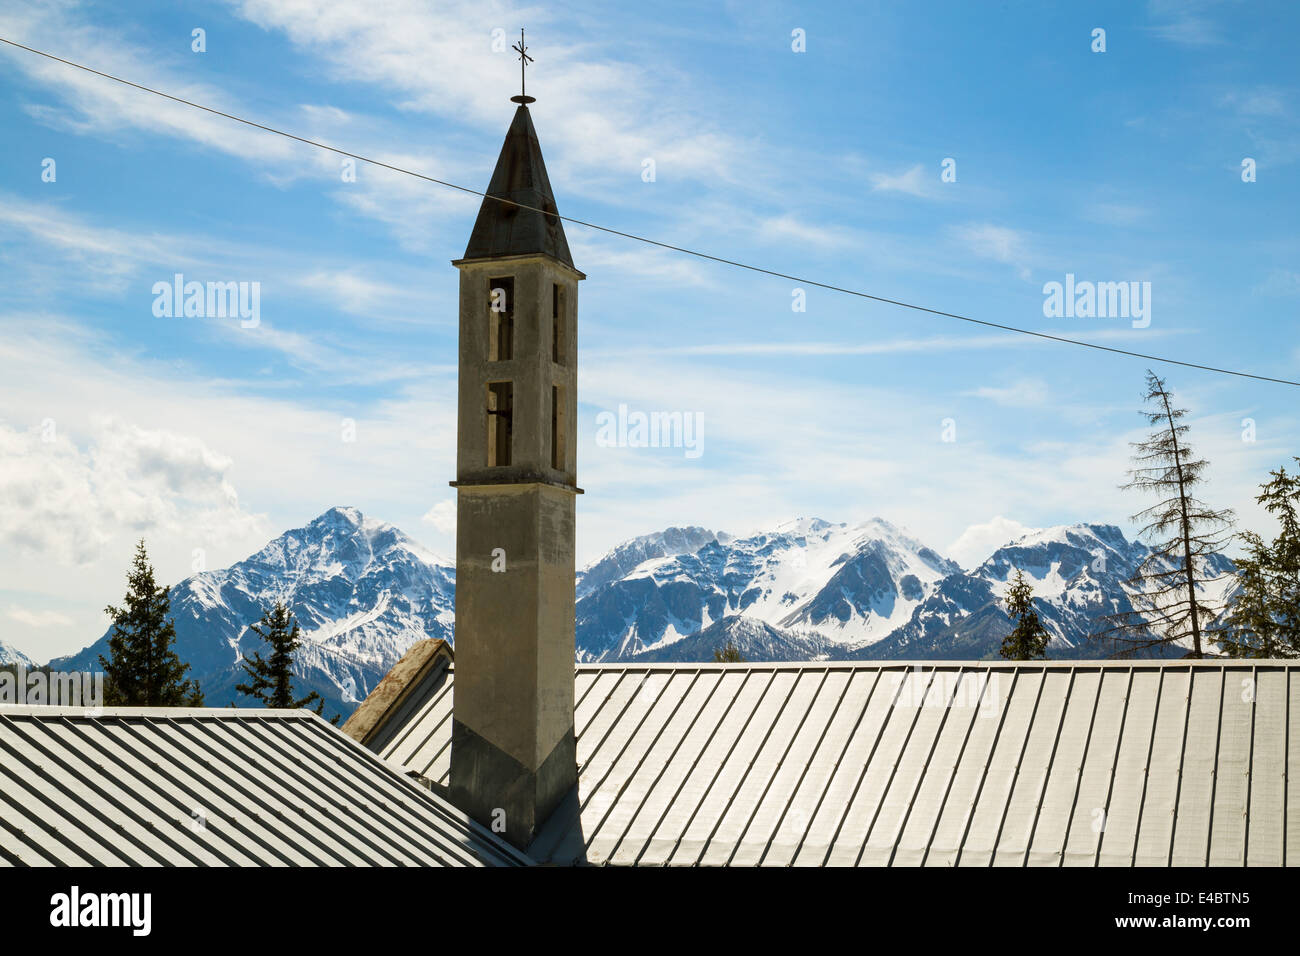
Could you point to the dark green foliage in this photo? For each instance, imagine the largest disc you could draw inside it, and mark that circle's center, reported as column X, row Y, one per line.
column 1029, row 639
column 1264, row 618
column 1183, row 533
column 272, row 677
column 729, row 653
column 142, row 668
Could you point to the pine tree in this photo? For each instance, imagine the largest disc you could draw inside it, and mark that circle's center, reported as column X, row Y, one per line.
column 1029, row 639
column 272, row 677
column 1182, row 531
column 1264, row 617
column 142, row 668
column 729, row 653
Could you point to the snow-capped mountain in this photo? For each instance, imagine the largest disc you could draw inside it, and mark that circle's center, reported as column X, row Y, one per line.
column 11, row 655
column 849, row 585
column 1079, row 574
column 755, row 640
column 362, row 591
column 627, row 556
column 807, row 589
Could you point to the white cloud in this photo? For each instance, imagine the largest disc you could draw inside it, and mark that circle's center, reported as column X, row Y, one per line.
column 37, row 619
column 604, row 116
column 787, row 228
column 980, row 540
column 916, row 181
column 995, row 242
column 1026, row 393
column 1261, row 101
column 92, row 104
column 65, row 503
column 164, row 459
column 1184, row 22
column 442, row 516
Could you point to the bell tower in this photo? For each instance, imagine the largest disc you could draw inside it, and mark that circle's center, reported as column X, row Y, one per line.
column 513, row 754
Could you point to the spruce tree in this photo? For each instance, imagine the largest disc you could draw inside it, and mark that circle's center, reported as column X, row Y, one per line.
column 1263, row 619
column 142, row 668
column 1182, row 531
column 728, row 654
column 1029, row 639
column 272, row 677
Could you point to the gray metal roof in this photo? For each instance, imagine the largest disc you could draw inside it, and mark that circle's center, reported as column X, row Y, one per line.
column 214, row 787
column 1072, row 763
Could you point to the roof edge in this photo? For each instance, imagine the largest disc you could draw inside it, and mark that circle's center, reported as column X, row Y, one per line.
column 519, row 257
column 1231, row 663
column 389, row 693
column 232, row 713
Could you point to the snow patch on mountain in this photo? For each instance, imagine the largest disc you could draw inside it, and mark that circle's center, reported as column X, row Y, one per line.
column 10, row 655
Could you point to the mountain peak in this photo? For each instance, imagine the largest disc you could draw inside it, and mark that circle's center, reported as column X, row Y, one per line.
column 11, row 655
column 801, row 525
column 340, row 515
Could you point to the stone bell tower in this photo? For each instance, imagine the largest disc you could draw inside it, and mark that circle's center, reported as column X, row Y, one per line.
column 512, row 754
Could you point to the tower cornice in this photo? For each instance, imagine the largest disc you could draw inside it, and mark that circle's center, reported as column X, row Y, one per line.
column 488, row 264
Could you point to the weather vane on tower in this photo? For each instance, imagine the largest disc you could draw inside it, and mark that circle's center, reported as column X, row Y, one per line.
column 524, row 60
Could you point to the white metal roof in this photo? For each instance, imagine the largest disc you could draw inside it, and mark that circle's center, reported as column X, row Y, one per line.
column 1072, row 763
column 214, row 787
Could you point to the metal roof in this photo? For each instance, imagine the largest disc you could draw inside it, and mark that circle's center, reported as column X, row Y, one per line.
column 1044, row 764
column 215, row 787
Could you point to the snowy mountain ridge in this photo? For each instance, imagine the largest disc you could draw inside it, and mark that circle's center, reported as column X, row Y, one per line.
column 806, row 589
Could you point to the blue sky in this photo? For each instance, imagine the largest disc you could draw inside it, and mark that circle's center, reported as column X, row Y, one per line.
column 208, row 438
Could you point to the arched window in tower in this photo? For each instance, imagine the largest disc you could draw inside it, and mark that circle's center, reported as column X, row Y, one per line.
column 500, row 411
column 501, row 319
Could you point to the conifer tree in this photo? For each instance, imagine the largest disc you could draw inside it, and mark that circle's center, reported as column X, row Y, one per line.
column 1029, row 639
column 1263, row 619
column 729, row 653
column 142, row 668
column 1182, row 531
column 272, row 677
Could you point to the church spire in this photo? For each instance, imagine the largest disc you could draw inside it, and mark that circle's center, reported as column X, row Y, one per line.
column 527, row 222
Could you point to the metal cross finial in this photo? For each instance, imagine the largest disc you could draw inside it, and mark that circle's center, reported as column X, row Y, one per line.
column 524, row 60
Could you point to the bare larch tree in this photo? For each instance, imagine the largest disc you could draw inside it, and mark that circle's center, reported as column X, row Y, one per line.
column 1182, row 531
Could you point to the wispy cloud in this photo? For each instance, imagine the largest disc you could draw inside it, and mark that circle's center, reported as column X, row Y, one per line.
column 999, row 243
column 37, row 619
column 1184, row 22
column 1026, row 393
column 916, row 181
column 1256, row 102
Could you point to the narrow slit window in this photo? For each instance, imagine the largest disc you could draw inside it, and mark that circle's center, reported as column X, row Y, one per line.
column 500, row 412
column 557, row 324
column 558, row 428
column 501, row 319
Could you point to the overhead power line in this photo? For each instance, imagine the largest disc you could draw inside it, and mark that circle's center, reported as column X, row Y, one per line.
column 802, row 280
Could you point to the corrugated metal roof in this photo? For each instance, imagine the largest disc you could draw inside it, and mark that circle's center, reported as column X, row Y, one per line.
column 215, row 787
column 1009, row 764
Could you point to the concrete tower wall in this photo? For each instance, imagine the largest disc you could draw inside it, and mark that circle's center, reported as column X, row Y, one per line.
column 513, row 755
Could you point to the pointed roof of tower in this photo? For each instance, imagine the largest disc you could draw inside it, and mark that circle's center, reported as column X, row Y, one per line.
column 504, row 229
